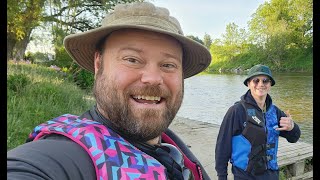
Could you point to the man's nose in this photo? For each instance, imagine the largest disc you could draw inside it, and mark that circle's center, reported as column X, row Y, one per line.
column 152, row 76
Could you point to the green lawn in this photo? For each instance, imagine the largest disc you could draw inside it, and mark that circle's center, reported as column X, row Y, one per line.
column 36, row 94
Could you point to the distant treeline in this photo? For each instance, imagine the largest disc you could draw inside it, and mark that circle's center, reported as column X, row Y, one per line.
column 279, row 34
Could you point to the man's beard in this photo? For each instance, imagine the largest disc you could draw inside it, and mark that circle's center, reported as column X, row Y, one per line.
column 138, row 124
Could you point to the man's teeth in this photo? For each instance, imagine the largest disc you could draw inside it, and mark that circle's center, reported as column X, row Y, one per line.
column 149, row 98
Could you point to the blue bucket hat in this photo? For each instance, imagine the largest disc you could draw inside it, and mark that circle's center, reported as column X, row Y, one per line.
column 259, row 70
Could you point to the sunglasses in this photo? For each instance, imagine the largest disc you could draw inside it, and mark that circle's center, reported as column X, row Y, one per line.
column 172, row 159
column 265, row 81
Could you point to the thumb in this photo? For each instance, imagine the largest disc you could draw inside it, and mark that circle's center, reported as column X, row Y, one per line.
column 288, row 113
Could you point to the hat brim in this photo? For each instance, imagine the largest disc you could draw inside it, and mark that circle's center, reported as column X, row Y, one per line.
column 257, row 74
column 81, row 47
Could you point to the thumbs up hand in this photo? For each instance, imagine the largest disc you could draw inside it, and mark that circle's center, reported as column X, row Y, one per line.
column 286, row 123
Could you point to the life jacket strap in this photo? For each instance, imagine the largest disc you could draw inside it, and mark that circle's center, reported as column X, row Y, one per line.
column 263, row 147
column 270, row 146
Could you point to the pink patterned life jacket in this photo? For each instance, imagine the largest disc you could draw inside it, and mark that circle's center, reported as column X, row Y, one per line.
column 113, row 157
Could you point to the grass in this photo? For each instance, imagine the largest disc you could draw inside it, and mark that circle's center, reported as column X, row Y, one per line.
column 36, row 94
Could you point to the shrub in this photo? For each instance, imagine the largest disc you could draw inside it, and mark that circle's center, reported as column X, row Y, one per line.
column 17, row 82
column 84, row 79
column 62, row 58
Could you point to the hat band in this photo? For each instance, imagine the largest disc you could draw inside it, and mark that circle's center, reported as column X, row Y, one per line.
column 151, row 22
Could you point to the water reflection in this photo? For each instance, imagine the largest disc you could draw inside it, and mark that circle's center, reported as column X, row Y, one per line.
column 208, row 97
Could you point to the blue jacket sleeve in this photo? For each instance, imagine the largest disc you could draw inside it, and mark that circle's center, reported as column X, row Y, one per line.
column 230, row 126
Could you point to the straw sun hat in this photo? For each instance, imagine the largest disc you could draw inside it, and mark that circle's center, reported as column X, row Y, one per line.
column 145, row 16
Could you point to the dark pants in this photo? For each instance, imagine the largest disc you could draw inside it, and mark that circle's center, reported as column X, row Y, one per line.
column 240, row 174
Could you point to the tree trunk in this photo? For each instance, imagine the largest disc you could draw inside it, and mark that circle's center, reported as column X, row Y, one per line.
column 10, row 46
column 21, row 46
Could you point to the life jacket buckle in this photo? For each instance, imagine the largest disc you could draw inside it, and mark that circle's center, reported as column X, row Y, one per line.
column 270, row 146
column 269, row 157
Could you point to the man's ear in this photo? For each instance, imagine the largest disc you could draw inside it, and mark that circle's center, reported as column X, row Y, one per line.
column 97, row 62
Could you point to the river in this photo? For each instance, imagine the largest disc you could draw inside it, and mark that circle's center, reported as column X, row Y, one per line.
column 207, row 98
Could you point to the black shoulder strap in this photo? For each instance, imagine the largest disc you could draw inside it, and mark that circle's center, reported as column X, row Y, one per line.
column 186, row 151
column 241, row 102
column 244, row 109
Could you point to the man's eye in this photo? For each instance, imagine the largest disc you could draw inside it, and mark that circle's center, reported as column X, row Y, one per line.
column 169, row 66
column 131, row 60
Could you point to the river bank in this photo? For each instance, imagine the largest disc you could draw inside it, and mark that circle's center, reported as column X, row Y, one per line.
column 201, row 137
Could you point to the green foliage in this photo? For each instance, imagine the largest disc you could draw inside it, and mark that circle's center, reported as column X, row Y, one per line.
column 23, row 17
column 62, row 58
column 282, row 173
column 308, row 165
column 39, row 57
column 58, row 33
column 84, row 79
column 17, row 82
column 69, row 16
column 234, row 35
column 196, row 38
column 280, row 36
column 207, row 41
column 285, row 173
column 233, row 43
column 46, row 95
column 29, row 56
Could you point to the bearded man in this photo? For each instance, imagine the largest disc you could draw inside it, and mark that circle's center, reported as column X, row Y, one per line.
column 140, row 59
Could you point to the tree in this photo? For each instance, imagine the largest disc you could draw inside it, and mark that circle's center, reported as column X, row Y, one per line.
column 281, row 25
column 207, row 40
column 69, row 15
column 23, row 17
column 217, row 51
column 301, row 12
column 234, row 41
column 196, row 38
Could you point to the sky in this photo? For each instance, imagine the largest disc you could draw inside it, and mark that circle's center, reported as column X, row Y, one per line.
column 209, row 16
column 196, row 17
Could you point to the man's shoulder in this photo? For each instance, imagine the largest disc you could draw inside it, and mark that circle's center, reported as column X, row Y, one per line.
column 48, row 144
column 53, row 153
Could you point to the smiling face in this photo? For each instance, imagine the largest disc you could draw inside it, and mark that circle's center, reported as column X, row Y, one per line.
column 139, row 82
column 259, row 86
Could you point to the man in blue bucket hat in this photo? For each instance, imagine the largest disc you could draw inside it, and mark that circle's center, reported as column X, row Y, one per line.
column 250, row 131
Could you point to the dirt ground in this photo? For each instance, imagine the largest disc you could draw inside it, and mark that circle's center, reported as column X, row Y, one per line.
column 202, row 138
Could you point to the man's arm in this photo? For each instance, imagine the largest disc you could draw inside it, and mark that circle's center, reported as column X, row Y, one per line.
column 52, row 159
column 223, row 148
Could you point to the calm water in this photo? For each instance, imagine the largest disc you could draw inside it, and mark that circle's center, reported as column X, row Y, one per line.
column 208, row 97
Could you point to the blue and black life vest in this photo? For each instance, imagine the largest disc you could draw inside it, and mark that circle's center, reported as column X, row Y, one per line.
column 255, row 149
